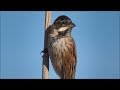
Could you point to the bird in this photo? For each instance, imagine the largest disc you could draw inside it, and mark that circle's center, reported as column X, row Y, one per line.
column 62, row 48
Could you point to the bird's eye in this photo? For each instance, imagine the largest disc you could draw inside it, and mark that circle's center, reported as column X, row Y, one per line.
column 64, row 22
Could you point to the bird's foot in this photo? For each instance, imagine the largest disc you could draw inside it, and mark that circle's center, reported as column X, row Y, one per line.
column 44, row 51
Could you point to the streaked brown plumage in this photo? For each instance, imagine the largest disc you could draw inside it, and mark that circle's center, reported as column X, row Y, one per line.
column 62, row 48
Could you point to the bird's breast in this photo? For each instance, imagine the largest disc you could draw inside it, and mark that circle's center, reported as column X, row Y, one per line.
column 62, row 45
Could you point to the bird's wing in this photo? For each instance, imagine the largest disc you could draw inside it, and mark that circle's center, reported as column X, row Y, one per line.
column 69, row 61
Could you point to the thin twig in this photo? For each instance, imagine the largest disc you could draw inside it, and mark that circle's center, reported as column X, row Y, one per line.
column 45, row 66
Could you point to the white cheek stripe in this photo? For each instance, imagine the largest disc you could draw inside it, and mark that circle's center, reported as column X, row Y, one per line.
column 62, row 28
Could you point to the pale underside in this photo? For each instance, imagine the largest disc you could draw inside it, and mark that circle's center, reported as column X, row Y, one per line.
column 63, row 57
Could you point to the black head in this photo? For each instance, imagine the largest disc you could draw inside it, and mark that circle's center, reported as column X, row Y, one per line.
column 63, row 21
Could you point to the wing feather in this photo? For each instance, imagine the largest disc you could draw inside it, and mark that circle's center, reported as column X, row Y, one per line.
column 63, row 57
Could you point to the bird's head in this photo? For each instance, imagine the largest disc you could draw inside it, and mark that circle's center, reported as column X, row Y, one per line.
column 63, row 24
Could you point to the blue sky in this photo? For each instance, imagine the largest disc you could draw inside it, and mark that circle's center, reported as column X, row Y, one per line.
column 96, row 35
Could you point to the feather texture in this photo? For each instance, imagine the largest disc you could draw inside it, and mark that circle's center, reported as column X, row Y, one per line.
column 62, row 50
column 63, row 57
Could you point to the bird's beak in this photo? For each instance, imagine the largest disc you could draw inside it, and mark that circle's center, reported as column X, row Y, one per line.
column 73, row 25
